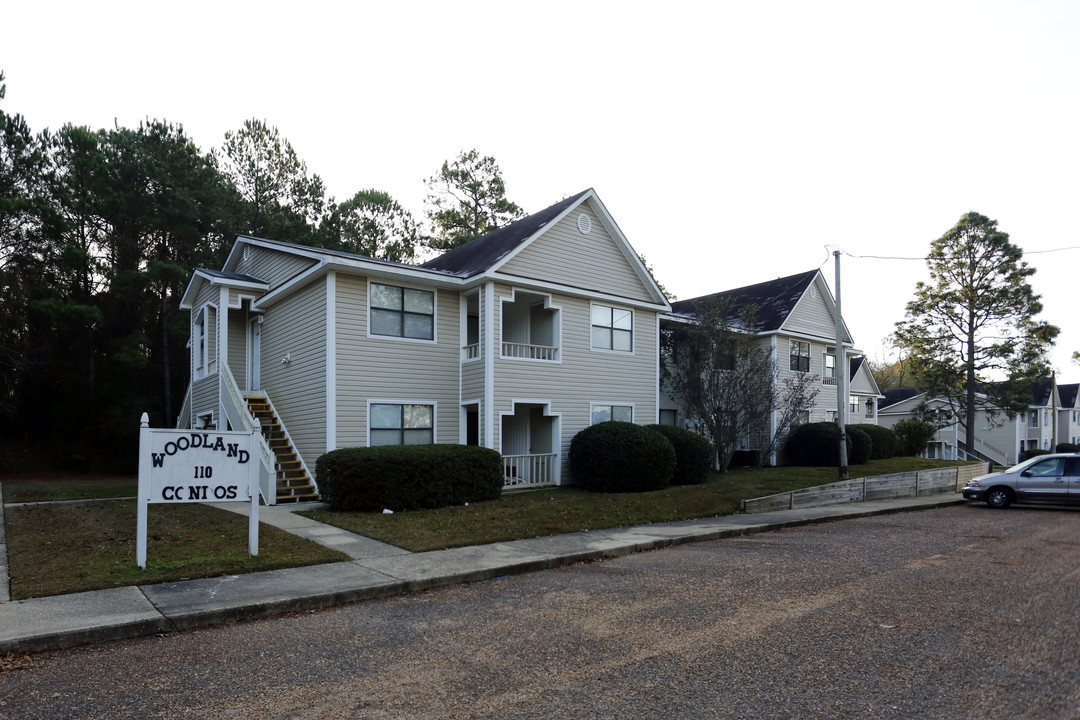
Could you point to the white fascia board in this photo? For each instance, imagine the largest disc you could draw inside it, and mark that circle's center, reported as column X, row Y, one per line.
column 660, row 300
column 624, row 246
column 523, row 282
column 241, row 240
column 188, row 299
column 414, row 276
column 830, row 301
column 494, row 269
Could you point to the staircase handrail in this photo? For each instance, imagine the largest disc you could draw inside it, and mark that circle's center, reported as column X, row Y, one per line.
column 240, row 418
column 285, row 431
column 183, row 420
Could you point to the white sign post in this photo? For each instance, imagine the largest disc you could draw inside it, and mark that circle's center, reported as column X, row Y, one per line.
column 178, row 466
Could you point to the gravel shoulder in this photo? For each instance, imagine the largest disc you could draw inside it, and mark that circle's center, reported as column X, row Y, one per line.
column 958, row 612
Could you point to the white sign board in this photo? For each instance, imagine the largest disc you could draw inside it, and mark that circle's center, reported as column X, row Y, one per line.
column 179, row 466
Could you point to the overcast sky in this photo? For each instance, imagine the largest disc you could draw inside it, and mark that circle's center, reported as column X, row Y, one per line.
column 733, row 142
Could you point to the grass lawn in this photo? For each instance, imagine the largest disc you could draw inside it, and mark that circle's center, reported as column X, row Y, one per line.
column 64, row 548
column 70, row 547
column 41, row 488
column 565, row 510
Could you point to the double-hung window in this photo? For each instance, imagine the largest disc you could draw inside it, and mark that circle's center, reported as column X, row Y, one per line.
column 402, row 312
column 603, row 413
column 800, row 356
column 393, row 424
column 612, row 328
column 830, row 362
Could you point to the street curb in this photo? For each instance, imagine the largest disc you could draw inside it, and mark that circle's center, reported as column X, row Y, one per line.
column 172, row 607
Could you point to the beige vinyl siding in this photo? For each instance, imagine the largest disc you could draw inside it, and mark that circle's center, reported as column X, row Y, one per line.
column 472, row 380
column 861, row 383
column 204, row 398
column 297, row 329
column 238, row 329
column 272, row 266
column 394, row 369
column 584, row 376
column 592, row 262
column 811, row 316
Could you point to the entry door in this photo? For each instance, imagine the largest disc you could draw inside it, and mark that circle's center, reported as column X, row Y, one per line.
column 1044, row 481
column 254, row 355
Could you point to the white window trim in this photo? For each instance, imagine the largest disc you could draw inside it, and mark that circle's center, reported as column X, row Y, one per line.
column 201, row 364
column 809, row 355
column 434, row 416
column 612, row 403
column 633, row 330
column 394, row 338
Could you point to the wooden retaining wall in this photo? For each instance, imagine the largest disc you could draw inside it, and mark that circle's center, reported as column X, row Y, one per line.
column 882, row 487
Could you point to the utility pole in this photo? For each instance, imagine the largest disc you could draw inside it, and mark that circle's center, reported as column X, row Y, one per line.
column 842, row 376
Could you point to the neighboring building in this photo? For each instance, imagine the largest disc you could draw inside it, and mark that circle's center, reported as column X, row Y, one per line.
column 514, row 341
column 1069, row 414
column 796, row 320
column 998, row 438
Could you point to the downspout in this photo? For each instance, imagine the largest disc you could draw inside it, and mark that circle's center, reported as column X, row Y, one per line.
column 489, row 364
column 331, row 361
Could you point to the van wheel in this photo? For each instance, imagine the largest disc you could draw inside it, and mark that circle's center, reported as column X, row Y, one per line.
column 1000, row 498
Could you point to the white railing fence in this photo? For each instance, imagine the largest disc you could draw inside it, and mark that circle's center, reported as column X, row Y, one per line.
column 236, row 412
column 529, row 470
column 881, row 487
column 529, row 352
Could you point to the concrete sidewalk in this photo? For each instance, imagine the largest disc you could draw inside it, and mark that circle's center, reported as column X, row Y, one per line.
column 378, row 570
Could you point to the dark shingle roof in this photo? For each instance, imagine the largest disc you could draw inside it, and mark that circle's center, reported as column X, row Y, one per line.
column 1040, row 392
column 1068, row 394
column 855, row 363
column 775, row 300
column 222, row 275
column 476, row 256
column 895, row 396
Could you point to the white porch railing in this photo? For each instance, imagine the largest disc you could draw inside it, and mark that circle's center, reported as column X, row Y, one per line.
column 236, row 412
column 529, row 470
column 529, row 352
column 472, row 351
column 828, row 381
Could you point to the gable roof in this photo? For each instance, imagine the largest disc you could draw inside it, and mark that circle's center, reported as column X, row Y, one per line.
column 1068, row 393
column 479, row 255
column 892, row 397
column 218, row 277
column 775, row 300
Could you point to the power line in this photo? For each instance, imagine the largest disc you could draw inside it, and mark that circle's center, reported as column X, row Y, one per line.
column 924, row 258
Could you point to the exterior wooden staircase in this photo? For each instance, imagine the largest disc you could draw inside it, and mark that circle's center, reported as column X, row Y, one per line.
column 293, row 482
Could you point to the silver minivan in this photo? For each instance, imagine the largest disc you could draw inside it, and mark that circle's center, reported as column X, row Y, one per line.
column 1043, row 479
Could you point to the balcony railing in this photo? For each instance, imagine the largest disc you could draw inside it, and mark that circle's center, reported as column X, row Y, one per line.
column 528, row 470
column 529, row 352
column 472, row 351
column 828, row 381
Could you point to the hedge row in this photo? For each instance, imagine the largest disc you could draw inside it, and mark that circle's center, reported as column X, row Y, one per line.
column 818, row 444
column 408, row 477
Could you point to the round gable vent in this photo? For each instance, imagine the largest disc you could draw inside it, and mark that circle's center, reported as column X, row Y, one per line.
column 584, row 224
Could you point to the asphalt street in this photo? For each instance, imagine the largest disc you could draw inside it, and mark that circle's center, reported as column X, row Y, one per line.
column 955, row 612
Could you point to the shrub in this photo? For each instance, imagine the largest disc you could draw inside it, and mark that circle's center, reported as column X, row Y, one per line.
column 884, row 441
column 1033, row 452
column 408, row 477
column 693, row 454
column 912, row 436
column 860, row 446
column 1067, row 447
column 621, row 457
column 814, row 445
